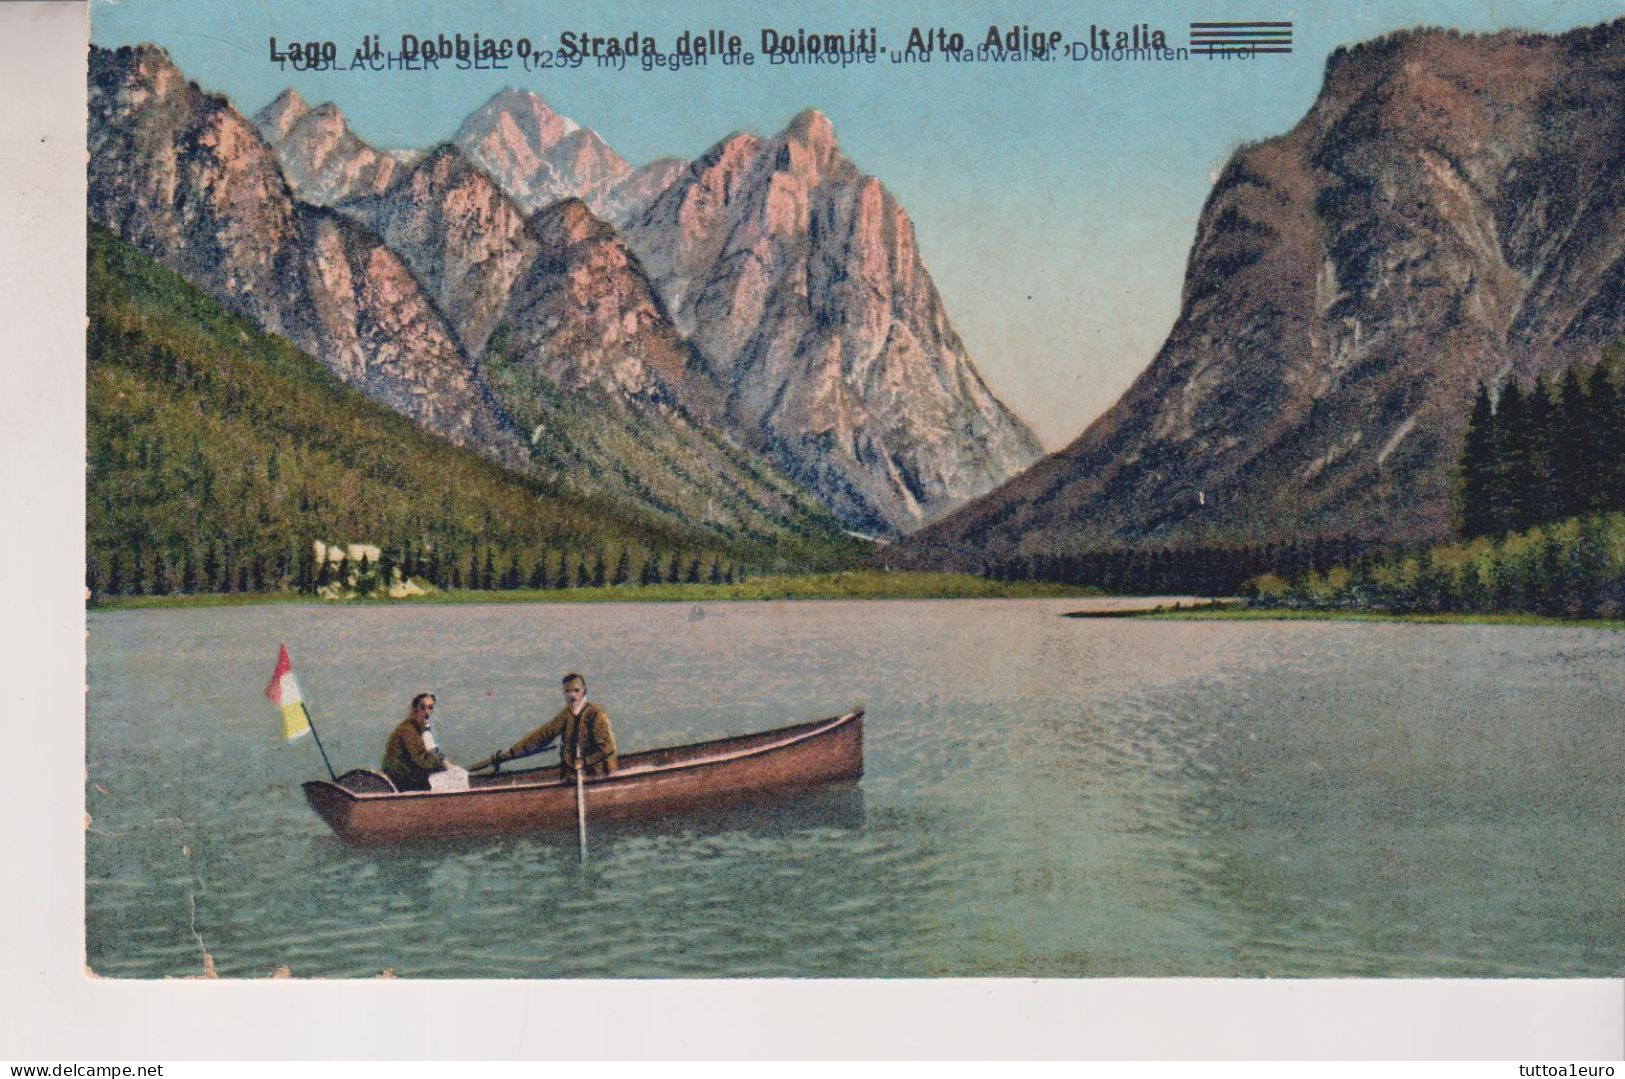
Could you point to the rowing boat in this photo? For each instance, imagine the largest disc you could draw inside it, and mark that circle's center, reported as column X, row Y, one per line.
column 363, row 806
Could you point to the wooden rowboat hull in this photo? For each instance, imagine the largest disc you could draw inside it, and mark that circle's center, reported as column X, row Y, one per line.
column 707, row 775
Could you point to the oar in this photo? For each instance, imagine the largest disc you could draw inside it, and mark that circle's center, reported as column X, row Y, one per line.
column 581, row 811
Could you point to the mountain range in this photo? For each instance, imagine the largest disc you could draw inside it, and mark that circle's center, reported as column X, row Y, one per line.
column 523, row 291
column 1449, row 212
column 751, row 341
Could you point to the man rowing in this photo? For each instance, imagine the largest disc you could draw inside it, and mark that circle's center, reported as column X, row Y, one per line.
column 582, row 729
column 411, row 755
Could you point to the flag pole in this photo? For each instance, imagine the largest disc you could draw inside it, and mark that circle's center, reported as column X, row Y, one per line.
column 306, row 709
column 581, row 812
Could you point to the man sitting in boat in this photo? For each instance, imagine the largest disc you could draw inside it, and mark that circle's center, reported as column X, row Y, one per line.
column 410, row 755
column 583, row 730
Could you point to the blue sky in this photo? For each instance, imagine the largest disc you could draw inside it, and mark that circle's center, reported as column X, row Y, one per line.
column 1055, row 203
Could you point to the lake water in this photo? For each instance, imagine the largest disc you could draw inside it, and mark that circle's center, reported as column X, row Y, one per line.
column 1044, row 796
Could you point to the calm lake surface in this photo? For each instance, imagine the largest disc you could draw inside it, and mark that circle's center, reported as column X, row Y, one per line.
column 1044, row 796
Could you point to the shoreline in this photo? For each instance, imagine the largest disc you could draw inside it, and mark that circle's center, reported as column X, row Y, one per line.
column 825, row 586
column 1222, row 612
column 831, row 587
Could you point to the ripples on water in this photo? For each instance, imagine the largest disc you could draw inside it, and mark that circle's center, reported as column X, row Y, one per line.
column 1043, row 797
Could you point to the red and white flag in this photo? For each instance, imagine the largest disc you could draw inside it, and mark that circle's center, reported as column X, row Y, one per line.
column 283, row 689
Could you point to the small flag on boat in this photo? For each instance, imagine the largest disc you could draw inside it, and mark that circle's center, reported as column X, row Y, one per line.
column 283, row 689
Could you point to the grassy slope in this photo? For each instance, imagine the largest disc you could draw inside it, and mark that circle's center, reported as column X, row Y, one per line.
column 655, row 458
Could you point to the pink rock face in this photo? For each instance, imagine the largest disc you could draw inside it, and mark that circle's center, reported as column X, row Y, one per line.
column 183, row 176
column 798, row 278
column 822, row 339
column 465, row 241
column 322, row 159
column 577, row 307
column 638, row 190
column 585, row 316
column 537, row 156
column 1450, row 211
column 175, row 172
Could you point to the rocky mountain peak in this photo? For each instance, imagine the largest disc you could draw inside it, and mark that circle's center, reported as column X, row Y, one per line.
column 461, row 236
column 1449, row 212
column 808, row 148
column 520, row 112
column 280, row 115
column 537, row 156
column 585, row 315
column 183, row 176
column 445, row 164
column 568, row 223
column 812, row 129
column 799, row 279
column 324, row 161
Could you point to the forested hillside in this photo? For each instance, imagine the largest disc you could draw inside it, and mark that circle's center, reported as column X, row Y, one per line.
column 217, row 454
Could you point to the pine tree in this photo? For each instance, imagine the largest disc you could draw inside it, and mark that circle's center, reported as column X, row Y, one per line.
column 600, row 572
column 510, row 576
column 1472, row 595
column 1608, row 434
column 1515, row 461
column 538, row 573
column 674, row 571
column 1573, row 470
column 1550, row 584
column 623, row 568
column 138, row 573
column 1476, row 472
column 715, row 576
column 489, row 572
column 561, row 578
column 1540, row 421
column 473, row 577
column 693, row 571
column 1591, row 567
column 211, row 569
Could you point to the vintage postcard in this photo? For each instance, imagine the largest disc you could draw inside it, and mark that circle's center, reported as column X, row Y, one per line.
column 952, row 490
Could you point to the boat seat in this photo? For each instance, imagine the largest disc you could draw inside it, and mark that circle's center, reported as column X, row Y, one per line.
column 367, row 781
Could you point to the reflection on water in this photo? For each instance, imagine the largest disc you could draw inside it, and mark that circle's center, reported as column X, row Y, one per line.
column 1042, row 797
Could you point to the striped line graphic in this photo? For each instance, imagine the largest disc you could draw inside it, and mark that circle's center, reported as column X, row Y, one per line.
column 1208, row 38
